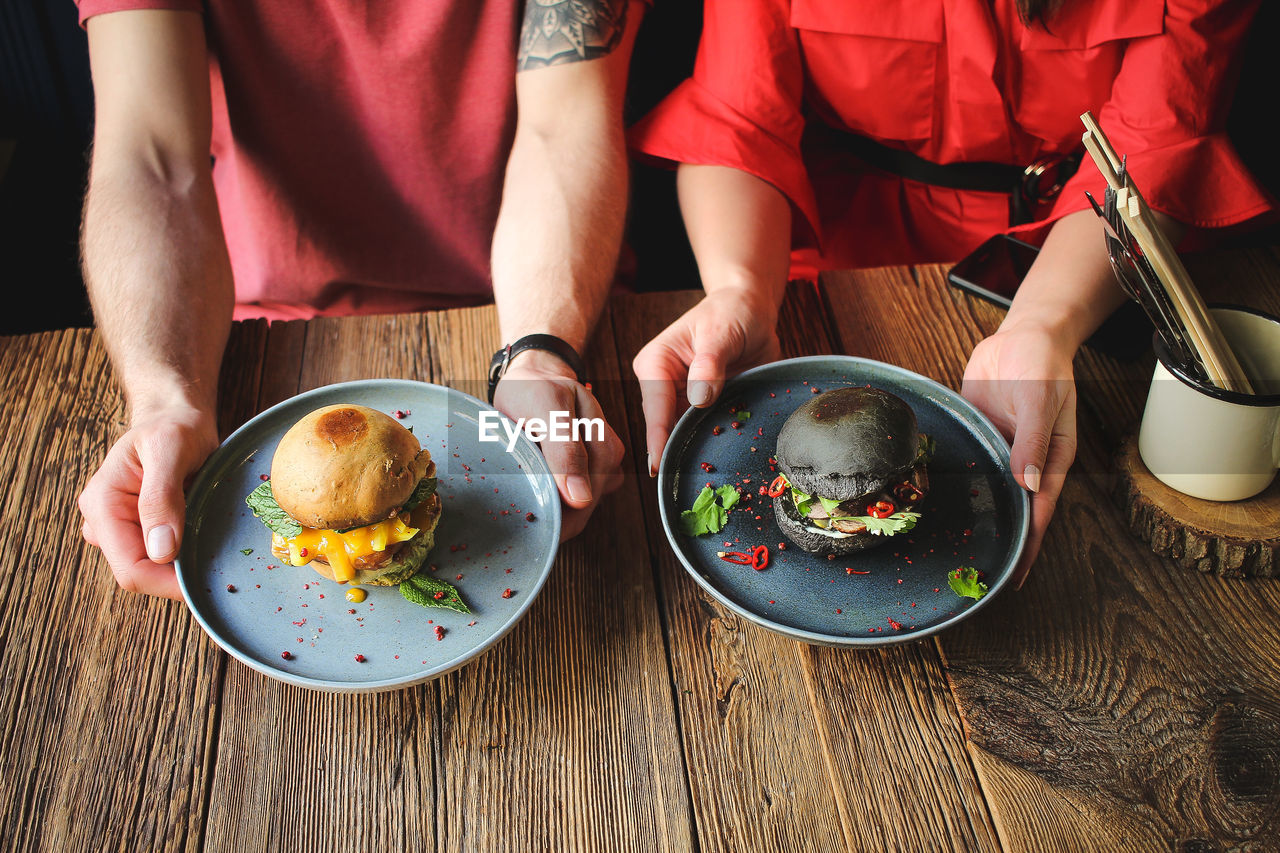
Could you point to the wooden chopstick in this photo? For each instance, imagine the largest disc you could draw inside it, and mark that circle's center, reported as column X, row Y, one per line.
column 1100, row 157
column 1206, row 337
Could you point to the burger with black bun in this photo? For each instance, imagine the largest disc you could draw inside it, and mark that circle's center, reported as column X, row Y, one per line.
column 352, row 495
column 853, row 471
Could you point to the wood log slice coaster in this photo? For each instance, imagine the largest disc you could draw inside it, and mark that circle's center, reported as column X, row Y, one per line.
column 1233, row 539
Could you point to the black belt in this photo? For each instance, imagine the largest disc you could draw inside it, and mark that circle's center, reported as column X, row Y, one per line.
column 1025, row 186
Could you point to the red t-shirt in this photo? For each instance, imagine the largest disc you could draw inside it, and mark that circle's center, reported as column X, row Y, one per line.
column 958, row 81
column 359, row 148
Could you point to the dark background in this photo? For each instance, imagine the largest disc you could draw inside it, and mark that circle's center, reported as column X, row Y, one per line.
column 46, row 112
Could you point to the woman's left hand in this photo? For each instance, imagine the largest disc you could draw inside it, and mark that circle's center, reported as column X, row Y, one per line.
column 1021, row 378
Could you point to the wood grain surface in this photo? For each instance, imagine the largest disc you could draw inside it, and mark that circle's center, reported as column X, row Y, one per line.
column 792, row 746
column 1117, row 702
column 564, row 735
column 107, row 699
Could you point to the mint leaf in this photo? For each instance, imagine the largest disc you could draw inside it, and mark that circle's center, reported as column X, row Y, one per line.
column 425, row 489
column 263, row 503
column 708, row 516
column 964, row 581
column 246, row 551
column 422, row 589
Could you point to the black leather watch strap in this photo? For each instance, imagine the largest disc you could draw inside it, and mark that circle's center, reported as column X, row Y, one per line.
column 548, row 343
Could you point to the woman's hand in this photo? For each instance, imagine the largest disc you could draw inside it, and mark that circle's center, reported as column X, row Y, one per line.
column 1021, row 378
column 731, row 329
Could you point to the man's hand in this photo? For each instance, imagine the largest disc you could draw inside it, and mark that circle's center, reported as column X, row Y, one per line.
column 134, row 507
column 537, row 384
column 156, row 266
column 1021, row 378
column 732, row 329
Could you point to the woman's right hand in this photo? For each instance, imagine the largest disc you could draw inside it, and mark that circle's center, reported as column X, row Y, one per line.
column 731, row 329
column 134, row 507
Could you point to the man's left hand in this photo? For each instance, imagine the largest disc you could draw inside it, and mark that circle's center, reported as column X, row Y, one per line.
column 537, row 384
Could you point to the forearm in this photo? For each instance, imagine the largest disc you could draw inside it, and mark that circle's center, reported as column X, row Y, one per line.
column 740, row 229
column 156, row 267
column 1071, row 288
column 559, row 230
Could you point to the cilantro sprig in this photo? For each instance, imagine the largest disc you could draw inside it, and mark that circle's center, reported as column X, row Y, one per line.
column 710, row 511
column 964, row 582
column 925, row 448
column 899, row 522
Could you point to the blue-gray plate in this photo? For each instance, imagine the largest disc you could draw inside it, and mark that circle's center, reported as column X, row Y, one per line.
column 257, row 609
column 974, row 515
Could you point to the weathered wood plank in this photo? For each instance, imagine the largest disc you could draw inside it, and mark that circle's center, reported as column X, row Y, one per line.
column 1119, row 702
column 838, row 769
column 300, row 770
column 562, row 736
column 891, row 803
column 108, row 696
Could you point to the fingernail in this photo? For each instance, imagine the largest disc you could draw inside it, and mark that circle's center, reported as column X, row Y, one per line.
column 699, row 393
column 653, row 472
column 161, row 542
column 579, row 488
column 1031, row 476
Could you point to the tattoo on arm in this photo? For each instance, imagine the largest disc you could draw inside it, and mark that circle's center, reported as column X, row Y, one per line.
column 561, row 31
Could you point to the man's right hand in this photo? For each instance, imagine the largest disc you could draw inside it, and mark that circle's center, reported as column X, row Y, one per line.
column 134, row 506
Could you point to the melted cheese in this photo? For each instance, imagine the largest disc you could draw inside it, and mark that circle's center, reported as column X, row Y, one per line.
column 343, row 549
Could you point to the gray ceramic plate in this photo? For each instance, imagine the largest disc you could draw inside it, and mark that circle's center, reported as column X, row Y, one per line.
column 483, row 536
column 975, row 514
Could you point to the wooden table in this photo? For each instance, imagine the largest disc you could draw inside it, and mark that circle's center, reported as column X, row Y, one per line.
column 1117, row 702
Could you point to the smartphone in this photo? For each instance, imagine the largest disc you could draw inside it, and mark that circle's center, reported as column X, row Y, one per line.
column 994, row 270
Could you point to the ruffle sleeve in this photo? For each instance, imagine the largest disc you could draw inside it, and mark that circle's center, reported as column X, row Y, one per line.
column 742, row 107
column 1167, row 113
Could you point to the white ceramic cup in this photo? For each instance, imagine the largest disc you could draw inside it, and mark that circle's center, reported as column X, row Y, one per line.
column 1210, row 443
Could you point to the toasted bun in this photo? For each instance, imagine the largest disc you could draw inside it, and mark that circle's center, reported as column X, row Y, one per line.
column 801, row 532
column 847, row 443
column 346, row 466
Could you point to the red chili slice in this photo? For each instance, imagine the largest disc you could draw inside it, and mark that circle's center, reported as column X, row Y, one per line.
column 907, row 492
column 735, row 557
column 777, row 487
column 760, row 557
column 881, row 509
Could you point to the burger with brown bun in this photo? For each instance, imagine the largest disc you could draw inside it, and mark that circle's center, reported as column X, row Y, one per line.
column 352, row 494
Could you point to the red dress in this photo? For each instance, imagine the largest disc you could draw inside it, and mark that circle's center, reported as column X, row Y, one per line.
column 958, row 81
